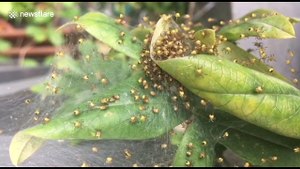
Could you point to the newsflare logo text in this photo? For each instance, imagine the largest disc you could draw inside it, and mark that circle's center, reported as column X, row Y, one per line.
column 25, row 14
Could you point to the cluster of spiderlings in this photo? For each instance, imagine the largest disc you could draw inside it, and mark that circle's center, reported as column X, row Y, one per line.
column 106, row 101
column 189, row 152
column 200, row 48
column 172, row 43
column 264, row 57
column 175, row 42
column 161, row 81
column 121, row 20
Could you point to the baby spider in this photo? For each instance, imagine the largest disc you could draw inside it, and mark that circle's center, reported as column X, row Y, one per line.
column 227, row 50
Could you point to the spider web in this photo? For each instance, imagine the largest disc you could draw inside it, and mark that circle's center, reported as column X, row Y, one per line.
column 16, row 115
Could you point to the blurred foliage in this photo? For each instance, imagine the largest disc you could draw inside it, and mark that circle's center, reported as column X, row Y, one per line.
column 29, row 63
column 40, row 29
column 4, row 45
column 252, row 111
column 43, row 29
column 152, row 9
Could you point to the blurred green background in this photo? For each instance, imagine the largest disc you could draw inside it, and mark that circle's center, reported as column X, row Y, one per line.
column 32, row 41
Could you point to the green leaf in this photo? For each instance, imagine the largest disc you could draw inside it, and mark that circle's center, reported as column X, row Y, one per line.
column 253, row 143
column 176, row 137
column 226, row 81
column 227, row 121
column 116, row 121
column 55, row 37
column 67, row 62
column 294, row 20
column 64, row 64
column 70, row 72
column 232, row 88
column 4, row 45
column 23, row 146
column 123, row 119
column 141, row 32
column 4, row 59
column 48, row 61
column 38, row 88
column 42, row 20
column 5, row 8
column 206, row 36
column 113, row 54
column 70, row 9
column 30, row 63
column 246, row 59
column 260, row 23
column 260, row 152
column 195, row 149
column 37, row 33
column 108, row 31
column 69, row 4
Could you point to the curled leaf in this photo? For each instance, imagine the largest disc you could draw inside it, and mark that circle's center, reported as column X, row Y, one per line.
column 294, row 20
column 109, row 31
column 246, row 93
column 23, row 146
column 260, row 23
column 206, row 36
column 250, row 95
